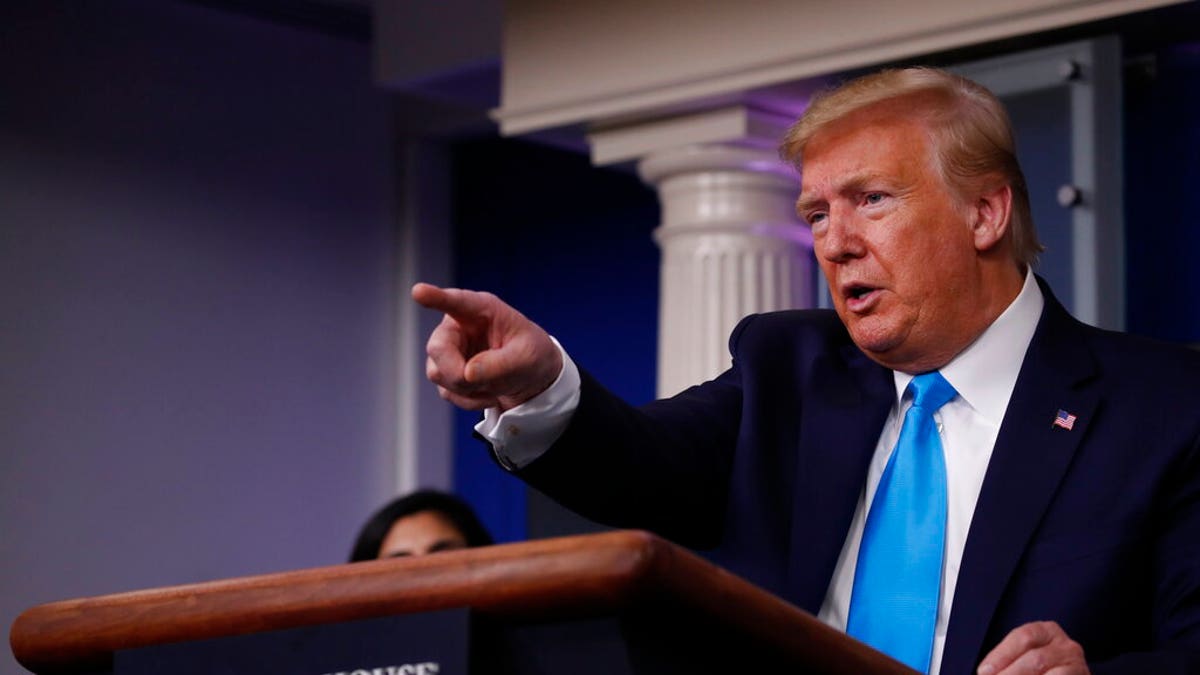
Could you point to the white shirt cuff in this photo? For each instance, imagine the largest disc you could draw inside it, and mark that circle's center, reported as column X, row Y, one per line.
column 522, row 434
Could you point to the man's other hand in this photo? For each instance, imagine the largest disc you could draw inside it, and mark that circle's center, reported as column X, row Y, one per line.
column 1038, row 647
column 484, row 353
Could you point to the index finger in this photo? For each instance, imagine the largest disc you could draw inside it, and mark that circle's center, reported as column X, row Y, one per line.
column 456, row 302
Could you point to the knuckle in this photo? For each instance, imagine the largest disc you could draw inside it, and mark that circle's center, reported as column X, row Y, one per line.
column 434, row 346
column 1023, row 637
column 1075, row 650
column 1041, row 632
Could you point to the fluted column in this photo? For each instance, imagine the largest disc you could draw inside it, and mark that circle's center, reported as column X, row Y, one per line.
column 731, row 246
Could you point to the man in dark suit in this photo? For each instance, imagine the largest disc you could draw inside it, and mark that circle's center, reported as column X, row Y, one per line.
column 1057, row 473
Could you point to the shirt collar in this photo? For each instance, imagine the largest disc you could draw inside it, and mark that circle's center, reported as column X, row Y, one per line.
column 985, row 373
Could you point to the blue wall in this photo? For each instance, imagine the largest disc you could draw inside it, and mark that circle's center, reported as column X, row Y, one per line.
column 569, row 246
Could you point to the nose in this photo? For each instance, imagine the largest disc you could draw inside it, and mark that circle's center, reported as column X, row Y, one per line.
column 841, row 238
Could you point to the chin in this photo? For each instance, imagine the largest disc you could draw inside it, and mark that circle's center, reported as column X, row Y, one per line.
column 888, row 350
column 872, row 338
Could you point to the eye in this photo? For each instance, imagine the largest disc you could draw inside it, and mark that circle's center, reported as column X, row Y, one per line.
column 815, row 218
column 872, row 198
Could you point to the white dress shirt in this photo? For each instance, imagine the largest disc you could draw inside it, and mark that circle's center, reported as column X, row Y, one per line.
column 983, row 374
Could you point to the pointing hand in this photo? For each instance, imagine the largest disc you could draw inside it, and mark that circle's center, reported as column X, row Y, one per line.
column 484, row 353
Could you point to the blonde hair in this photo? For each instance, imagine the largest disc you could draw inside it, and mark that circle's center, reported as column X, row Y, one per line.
column 972, row 135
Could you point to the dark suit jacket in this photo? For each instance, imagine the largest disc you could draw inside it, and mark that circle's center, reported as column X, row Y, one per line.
column 1097, row 528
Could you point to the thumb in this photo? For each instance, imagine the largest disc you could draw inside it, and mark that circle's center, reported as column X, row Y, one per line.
column 482, row 367
column 517, row 371
column 497, row 368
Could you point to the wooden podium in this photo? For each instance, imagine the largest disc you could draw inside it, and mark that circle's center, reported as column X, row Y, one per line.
column 666, row 610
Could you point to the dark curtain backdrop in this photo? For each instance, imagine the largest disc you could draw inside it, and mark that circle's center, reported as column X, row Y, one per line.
column 1162, row 171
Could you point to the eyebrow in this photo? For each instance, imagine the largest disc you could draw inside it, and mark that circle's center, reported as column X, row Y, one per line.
column 805, row 204
column 446, row 545
column 437, row 546
column 853, row 183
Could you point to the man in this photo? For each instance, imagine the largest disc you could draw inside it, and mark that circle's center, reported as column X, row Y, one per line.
column 1056, row 527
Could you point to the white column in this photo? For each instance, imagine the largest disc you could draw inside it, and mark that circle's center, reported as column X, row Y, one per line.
column 731, row 246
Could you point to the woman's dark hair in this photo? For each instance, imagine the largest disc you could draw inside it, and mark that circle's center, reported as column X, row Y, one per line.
column 458, row 512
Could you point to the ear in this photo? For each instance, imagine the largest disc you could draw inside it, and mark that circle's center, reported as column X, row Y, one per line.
column 993, row 216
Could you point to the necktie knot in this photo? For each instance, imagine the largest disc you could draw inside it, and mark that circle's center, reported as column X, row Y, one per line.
column 931, row 391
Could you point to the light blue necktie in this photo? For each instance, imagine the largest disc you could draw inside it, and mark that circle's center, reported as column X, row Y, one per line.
column 898, row 579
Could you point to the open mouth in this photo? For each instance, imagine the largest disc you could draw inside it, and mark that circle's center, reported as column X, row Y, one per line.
column 858, row 292
column 859, row 297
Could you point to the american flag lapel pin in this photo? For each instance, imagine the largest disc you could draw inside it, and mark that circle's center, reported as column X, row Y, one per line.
column 1064, row 420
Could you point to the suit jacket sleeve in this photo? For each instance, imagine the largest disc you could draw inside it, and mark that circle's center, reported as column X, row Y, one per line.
column 663, row 467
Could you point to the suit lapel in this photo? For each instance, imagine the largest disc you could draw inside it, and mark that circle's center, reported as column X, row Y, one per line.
column 846, row 404
column 1029, row 461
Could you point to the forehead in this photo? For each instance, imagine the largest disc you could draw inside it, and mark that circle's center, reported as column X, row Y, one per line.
column 868, row 144
column 422, row 525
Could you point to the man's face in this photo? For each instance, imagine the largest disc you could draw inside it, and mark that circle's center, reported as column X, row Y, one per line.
column 894, row 243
